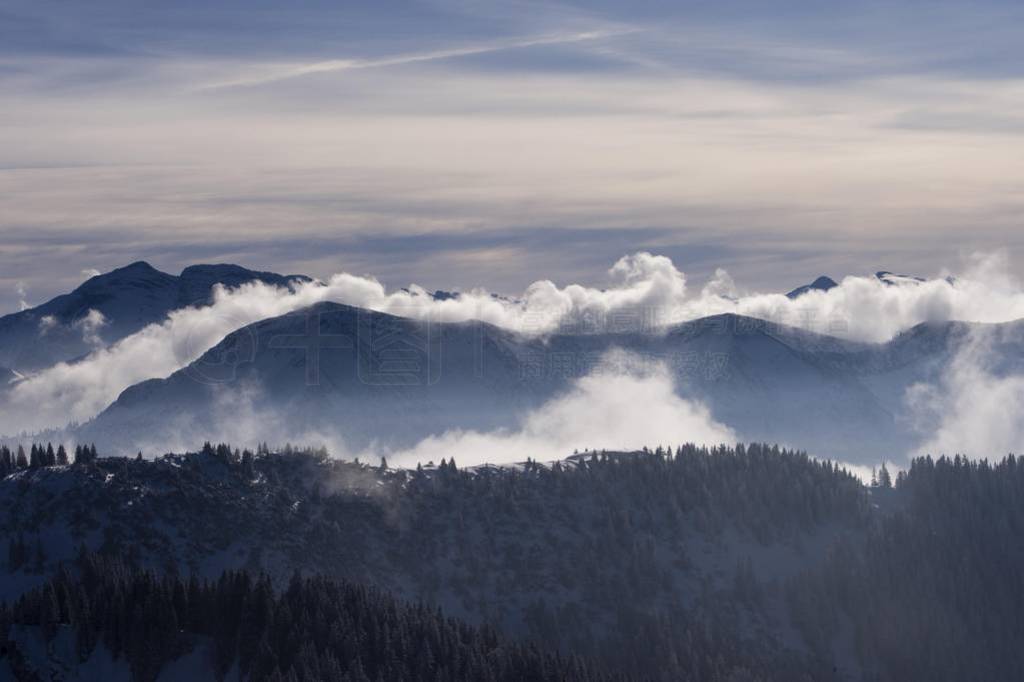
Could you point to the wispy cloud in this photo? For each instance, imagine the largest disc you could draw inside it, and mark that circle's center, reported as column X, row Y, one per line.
column 279, row 73
column 847, row 137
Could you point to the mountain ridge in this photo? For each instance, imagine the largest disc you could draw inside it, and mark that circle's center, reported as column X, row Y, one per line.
column 323, row 367
column 822, row 283
column 110, row 306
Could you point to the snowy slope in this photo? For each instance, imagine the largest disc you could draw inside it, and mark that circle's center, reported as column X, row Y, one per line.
column 109, row 307
column 781, row 384
column 332, row 365
column 372, row 377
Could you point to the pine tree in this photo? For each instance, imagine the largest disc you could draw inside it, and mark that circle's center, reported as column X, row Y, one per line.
column 39, row 558
column 17, row 553
column 884, row 479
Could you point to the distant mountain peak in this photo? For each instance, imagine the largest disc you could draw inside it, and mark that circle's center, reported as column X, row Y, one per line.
column 128, row 298
column 439, row 295
column 893, row 279
column 137, row 269
column 230, row 271
column 211, row 268
column 823, row 283
column 734, row 324
column 139, row 265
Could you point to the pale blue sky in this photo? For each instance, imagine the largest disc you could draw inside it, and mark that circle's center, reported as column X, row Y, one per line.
column 465, row 143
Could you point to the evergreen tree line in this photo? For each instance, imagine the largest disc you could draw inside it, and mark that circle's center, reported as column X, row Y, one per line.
column 43, row 456
column 314, row 630
column 770, row 491
column 936, row 589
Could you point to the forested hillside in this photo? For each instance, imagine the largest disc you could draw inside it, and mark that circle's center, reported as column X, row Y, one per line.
column 745, row 563
column 935, row 591
column 315, row 629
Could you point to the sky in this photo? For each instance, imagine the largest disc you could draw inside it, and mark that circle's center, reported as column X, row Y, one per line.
column 458, row 144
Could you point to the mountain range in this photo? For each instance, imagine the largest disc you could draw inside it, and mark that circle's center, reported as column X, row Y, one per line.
column 372, row 378
column 369, row 379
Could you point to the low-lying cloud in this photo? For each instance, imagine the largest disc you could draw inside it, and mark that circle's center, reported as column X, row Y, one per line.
column 624, row 404
column 21, row 289
column 645, row 293
column 88, row 325
column 976, row 408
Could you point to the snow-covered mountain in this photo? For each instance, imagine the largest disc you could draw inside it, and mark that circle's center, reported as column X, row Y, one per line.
column 823, row 283
column 893, row 279
column 334, row 368
column 367, row 378
column 372, row 378
column 108, row 307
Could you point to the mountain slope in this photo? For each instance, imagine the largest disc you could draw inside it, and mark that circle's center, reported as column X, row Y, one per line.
column 238, row 627
column 108, row 307
column 377, row 376
column 781, row 384
column 366, row 377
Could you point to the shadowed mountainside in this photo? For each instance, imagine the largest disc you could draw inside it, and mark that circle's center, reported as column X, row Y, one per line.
column 370, row 377
column 128, row 299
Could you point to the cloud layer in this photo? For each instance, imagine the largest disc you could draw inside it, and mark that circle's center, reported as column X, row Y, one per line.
column 645, row 293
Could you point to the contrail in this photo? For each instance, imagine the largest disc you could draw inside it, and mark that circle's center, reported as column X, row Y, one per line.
column 333, row 65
